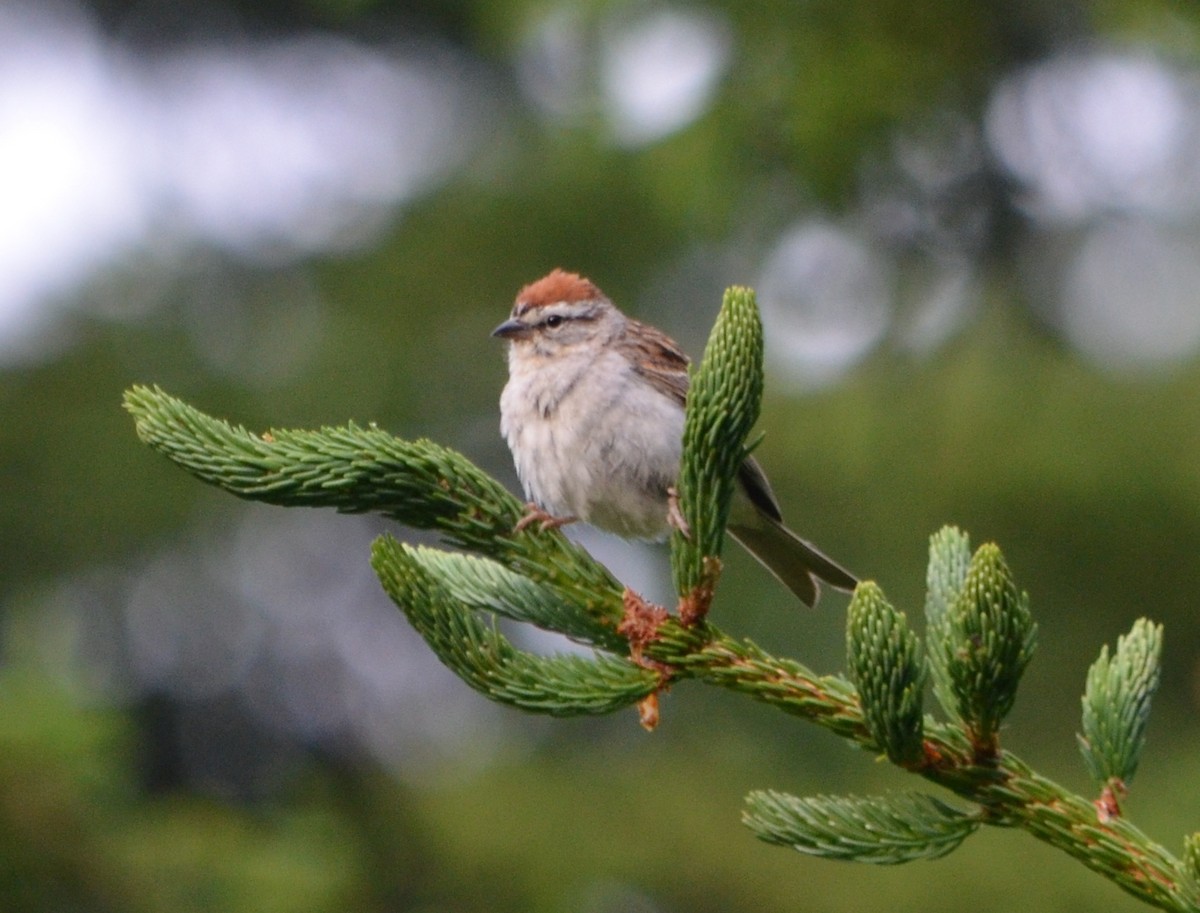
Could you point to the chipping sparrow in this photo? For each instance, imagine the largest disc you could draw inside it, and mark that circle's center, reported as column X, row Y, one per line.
column 593, row 413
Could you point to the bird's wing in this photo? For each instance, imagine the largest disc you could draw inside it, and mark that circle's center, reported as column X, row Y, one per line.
column 754, row 482
column 658, row 360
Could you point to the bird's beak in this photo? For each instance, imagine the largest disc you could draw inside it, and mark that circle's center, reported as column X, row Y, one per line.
column 510, row 329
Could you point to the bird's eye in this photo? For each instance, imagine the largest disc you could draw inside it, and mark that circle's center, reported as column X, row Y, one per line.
column 554, row 320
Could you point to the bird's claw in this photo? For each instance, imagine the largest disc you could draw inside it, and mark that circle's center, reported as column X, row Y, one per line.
column 544, row 519
column 675, row 516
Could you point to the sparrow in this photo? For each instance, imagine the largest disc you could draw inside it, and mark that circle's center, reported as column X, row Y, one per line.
column 593, row 413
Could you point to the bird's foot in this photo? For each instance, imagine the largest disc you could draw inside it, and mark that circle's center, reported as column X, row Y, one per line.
column 544, row 519
column 675, row 516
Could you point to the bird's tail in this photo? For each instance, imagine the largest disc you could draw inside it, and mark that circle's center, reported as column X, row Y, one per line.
column 797, row 564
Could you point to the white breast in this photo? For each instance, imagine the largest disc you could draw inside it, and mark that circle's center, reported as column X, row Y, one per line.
column 592, row 439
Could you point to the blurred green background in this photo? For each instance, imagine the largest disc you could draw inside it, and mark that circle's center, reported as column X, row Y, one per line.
column 974, row 231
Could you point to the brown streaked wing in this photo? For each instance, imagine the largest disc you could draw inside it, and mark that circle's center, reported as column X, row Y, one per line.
column 657, row 358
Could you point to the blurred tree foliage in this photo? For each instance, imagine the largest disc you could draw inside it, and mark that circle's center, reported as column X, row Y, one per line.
column 1088, row 477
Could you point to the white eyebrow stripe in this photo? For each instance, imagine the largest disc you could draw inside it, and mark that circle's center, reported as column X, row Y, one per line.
column 568, row 310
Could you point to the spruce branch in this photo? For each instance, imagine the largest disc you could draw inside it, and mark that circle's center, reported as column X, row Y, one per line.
column 1008, row 791
column 566, row 685
column 881, row 830
column 1116, row 705
column 992, row 636
column 888, row 667
column 1191, row 855
column 484, row 585
column 705, row 653
column 1113, row 847
column 979, row 634
column 949, row 557
column 366, row 470
column 724, row 398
